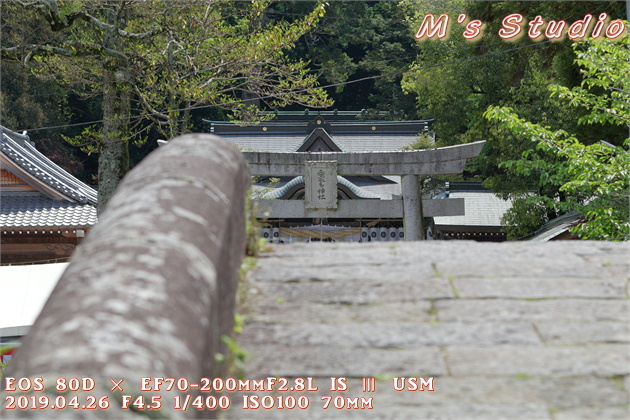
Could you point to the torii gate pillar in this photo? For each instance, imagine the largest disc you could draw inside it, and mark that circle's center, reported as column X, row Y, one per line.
column 412, row 208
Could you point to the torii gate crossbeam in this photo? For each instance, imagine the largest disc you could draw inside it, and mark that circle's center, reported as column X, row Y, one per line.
column 439, row 161
column 410, row 165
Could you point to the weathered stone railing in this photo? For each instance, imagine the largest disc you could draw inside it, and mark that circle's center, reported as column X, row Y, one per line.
column 151, row 291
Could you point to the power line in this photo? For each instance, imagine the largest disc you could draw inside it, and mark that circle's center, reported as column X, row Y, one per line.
column 322, row 69
column 332, row 85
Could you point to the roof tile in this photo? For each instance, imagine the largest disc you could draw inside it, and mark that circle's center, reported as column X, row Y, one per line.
column 32, row 209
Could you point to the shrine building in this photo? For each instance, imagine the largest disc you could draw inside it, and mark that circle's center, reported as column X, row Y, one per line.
column 45, row 210
column 326, row 131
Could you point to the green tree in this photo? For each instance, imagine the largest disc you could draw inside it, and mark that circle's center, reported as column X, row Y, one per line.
column 359, row 40
column 27, row 101
column 592, row 179
column 455, row 80
column 160, row 59
column 526, row 215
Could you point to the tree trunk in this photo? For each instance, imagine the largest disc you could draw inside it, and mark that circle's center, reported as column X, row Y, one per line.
column 113, row 161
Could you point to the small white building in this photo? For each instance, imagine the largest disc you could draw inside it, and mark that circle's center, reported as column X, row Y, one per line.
column 24, row 289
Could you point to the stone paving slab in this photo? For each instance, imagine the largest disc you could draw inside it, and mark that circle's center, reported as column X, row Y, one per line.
column 378, row 334
column 588, row 413
column 359, row 292
column 597, row 360
column 512, row 330
column 551, row 309
column 572, row 332
column 539, row 287
column 328, row 361
column 336, row 313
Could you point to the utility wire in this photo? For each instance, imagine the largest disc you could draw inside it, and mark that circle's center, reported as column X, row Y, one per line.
column 349, row 82
column 322, row 70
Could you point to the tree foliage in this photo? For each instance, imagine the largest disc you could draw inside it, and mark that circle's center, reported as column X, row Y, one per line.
column 158, row 60
column 525, row 216
column 367, row 42
column 455, row 80
column 593, row 178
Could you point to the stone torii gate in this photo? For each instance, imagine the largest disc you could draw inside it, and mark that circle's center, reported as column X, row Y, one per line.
column 320, row 171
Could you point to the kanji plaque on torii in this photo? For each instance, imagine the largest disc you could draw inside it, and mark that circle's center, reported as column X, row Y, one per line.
column 321, row 185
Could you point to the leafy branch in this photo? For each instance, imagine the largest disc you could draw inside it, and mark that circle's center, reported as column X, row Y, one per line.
column 594, row 178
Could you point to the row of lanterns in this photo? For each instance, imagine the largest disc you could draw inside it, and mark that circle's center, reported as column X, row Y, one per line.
column 382, row 234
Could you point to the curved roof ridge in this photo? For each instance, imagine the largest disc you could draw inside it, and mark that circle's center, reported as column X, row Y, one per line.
column 19, row 150
column 279, row 192
column 358, row 191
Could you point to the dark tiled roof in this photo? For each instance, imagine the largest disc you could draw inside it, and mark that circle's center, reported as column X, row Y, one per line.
column 556, row 227
column 345, row 142
column 348, row 135
column 266, row 143
column 33, row 210
column 20, row 151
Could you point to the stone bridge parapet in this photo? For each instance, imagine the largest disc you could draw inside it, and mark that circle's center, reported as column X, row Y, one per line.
column 151, row 291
